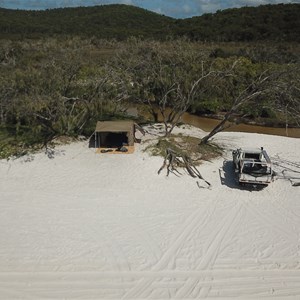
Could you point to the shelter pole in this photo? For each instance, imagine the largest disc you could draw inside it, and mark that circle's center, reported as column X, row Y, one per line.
column 95, row 139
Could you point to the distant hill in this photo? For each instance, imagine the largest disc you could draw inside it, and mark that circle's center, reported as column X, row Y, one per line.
column 266, row 22
column 107, row 21
column 269, row 22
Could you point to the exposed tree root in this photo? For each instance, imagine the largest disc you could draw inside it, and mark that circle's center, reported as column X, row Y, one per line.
column 173, row 161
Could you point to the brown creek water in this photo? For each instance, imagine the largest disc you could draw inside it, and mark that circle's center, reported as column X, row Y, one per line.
column 208, row 124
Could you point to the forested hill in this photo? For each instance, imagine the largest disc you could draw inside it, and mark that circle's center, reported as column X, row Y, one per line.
column 269, row 22
column 107, row 21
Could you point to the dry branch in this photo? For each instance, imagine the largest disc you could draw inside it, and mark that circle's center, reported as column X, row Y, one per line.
column 173, row 161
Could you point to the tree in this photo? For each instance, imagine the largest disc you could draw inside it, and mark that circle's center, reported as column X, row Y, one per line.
column 245, row 86
column 68, row 101
column 166, row 77
column 286, row 94
column 249, row 87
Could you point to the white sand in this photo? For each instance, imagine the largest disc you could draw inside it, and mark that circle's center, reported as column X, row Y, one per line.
column 95, row 226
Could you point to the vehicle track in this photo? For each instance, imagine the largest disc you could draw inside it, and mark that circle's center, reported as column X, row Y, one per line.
column 114, row 285
column 199, row 219
column 267, row 220
column 183, row 234
column 286, row 162
column 230, row 223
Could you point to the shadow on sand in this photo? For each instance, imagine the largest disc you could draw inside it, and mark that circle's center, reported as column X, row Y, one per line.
column 229, row 178
column 92, row 141
column 52, row 152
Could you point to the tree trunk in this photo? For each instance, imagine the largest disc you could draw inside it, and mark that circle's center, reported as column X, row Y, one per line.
column 217, row 129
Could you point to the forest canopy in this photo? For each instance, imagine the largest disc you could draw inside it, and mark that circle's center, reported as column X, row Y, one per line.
column 51, row 87
column 62, row 70
column 266, row 22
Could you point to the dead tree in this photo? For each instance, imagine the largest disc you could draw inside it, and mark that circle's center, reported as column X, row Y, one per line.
column 257, row 88
column 172, row 110
column 173, row 161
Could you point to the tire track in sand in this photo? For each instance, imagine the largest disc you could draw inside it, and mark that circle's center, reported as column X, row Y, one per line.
column 230, row 284
column 194, row 221
column 266, row 219
column 230, row 223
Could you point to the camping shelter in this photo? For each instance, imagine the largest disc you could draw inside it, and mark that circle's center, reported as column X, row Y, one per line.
column 114, row 134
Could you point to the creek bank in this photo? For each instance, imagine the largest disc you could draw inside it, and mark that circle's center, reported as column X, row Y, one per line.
column 207, row 122
column 267, row 122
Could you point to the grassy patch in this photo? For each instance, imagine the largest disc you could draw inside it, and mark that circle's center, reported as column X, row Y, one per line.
column 10, row 147
column 12, row 144
column 185, row 146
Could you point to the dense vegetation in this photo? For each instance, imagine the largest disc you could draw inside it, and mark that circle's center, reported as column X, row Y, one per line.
column 51, row 87
column 269, row 22
column 59, row 75
column 107, row 21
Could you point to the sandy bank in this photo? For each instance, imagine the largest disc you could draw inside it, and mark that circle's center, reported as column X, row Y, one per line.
column 89, row 226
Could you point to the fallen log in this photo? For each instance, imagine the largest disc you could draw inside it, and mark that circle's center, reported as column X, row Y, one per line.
column 173, row 161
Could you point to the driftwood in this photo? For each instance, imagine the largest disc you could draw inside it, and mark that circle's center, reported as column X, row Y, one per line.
column 174, row 160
